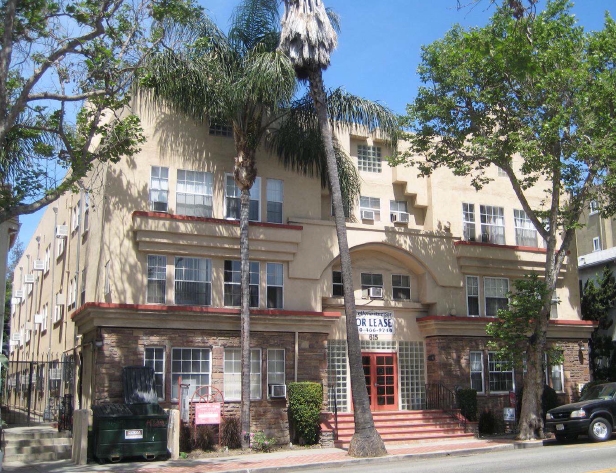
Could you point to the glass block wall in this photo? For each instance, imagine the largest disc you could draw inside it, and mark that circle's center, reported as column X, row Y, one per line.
column 337, row 375
column 412, row 375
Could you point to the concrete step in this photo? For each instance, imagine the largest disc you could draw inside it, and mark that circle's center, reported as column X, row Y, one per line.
column 36, row 444
column 40, row 457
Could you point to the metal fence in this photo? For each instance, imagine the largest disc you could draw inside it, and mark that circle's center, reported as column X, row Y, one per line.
column 38, row 391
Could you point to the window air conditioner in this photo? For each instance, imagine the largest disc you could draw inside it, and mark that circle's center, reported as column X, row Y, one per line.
column 60, row 298
column 19, row 294
column 375, row 292
column 278, row 390
column 402, row 217
column 16, row 337
column 54, row 373
column 61, row 231
column 28, row 278
column 39, row 265
column 38, row 318
column 367, row 214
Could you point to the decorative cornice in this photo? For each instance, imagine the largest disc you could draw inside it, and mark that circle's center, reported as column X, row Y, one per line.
column 233, row 222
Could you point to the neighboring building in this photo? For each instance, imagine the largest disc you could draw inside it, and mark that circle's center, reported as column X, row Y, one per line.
column 146, row 261
column 8, row 237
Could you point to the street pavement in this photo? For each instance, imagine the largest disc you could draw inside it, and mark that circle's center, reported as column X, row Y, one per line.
column 281, row 461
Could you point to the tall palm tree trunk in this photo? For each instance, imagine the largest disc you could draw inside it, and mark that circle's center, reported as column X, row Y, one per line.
column 366, row 441
column 245, row 317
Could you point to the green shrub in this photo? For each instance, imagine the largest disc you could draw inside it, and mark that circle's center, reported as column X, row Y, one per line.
column 487, row 423
column 305, row 401
column 259, row 442
column 204, row 436
column 467, row 403
column 230, row 430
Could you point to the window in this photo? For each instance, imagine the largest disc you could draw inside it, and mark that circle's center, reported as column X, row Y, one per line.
column 75, row 217
column 346, row 207
column 401, row 287
column 232, row 279
column 193, row 281
column 525, row 232
column 107, row 278
column 594, row 207
column 596, row 244
column 472, row 296
column 274, row 200
column 72, row 292
column 82, row 299
column 275, row 366
column 193, row 366
column 492, row 224
column 194, row 193
column 232, row 200
column 500, row 374
column 159, row 188
column 337, row 287
column 554, row 376
column 233, row 374
column 397, row 211
column 221, row 130
column 501, row 173
column 370, row 208
column 157, row 279
column 369, row 280
column 476, row 365
column 274, row 285
column 468, row 222
column 155, row 359
column 495, row 291
column 369, row 158
column 47, row 262
column 45, row 316
column 59, row 247
column 86, row 212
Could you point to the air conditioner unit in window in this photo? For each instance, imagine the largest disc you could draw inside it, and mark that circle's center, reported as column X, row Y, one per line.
column 367, row 214
column 39, row 265
column 402, row 217
column 19, row 294
column 278, row 390
column 38, row 318
column 16, row 337
column 60, row 298
column 54, row 373
column 375, row 292
column 28, row 278
column 61, row 231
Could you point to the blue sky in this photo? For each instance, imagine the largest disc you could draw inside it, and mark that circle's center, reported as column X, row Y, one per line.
column 380, row 43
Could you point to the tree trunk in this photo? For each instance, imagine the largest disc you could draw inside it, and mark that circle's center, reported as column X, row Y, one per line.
column 366, row 441
column 245, row 318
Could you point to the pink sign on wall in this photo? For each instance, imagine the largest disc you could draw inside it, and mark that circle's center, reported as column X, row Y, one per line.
column 207, row 413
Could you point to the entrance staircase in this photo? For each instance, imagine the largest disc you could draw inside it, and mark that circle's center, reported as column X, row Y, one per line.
column 396, row 427
column 36, row 444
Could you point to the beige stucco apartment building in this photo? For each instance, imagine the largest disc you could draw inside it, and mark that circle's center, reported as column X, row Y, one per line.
column 142, row 267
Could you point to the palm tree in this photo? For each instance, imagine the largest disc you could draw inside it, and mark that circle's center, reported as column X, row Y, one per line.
column 241, row 79
column 308, row 38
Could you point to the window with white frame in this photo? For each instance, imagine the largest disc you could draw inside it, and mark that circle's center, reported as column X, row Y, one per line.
column 476, row 368
column 232, row 283
column 472, row 296
column 370, row 280
column 86, row 212
column 398, row 211
column 45, row 314
column 274, row 193
column 193, row 365
column 157, row 279
column 233, row 374
column 82, row 296
column 193, row 281
column 468, row 222
column 492, row 224
column 274, row 285
column 337, row 287
column 596, row 244
column 594, row 207
column 500, row 374
column 59, row 247
column 495, row 292
column 275, row 366
column 159, row 188
column 370, row 208
column 47, row 261
column 75, row 217
column 193, row 195
column 233, row 196
column 525, row 231
column 554, row 375
column 369, row 158
column 154, row 357
column 72, row 292
column 401, row 287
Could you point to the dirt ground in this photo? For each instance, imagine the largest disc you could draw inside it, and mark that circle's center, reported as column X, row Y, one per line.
column 217, row 451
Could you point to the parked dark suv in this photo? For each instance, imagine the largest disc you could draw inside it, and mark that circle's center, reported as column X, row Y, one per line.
column 593, row 415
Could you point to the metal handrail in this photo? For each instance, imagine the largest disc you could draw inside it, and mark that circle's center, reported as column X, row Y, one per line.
column 333, row 388
column 442, row 398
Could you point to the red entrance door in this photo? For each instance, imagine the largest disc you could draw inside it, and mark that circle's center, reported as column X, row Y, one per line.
column 381, row 380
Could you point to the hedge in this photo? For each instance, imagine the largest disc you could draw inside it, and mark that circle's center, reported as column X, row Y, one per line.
column 305, row 401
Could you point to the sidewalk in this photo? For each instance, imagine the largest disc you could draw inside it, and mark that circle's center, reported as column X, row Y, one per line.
column 281, row 461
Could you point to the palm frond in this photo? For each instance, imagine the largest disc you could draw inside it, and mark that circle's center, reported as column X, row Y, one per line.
column 334, row 19
column 255, row 22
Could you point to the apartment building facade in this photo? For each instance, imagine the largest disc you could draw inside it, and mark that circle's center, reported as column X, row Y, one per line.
column 141, row 266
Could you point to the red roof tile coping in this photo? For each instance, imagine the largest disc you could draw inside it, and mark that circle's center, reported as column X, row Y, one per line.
column 200, row 309
column 585, row 323
column 188, row 218
column 494, row 245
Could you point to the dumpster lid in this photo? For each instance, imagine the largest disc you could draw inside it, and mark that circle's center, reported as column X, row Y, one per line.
column 138, row 384
column 111, row 410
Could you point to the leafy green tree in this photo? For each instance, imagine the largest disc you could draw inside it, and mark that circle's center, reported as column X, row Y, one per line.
column 309, row 38
column 598, row 298
column 533, row 95
column 241, row 79
column 66, row 68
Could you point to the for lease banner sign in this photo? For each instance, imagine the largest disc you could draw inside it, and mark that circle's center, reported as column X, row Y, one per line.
column 375, row 322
